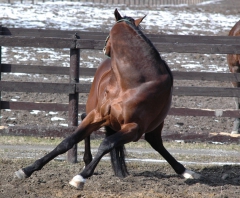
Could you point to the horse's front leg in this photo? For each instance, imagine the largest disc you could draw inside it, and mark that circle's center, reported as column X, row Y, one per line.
column 86, row 127
column 127, row 134
column 87, row 157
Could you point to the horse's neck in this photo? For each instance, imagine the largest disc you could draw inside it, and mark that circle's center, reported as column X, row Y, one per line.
column 134, row 59
column 132, row 72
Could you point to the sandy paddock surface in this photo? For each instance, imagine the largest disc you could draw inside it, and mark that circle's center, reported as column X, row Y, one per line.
column 145, row 180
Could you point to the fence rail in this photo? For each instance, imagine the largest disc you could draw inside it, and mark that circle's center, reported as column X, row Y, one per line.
column 95, row 40
column 163, row 43
column 75, row 41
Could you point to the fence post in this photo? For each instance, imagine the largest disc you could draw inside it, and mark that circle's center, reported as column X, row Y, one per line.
column 73, row 98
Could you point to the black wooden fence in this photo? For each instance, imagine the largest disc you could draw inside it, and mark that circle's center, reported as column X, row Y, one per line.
column 75, row 41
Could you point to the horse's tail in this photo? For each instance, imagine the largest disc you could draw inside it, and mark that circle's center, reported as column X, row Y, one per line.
column 117, row 158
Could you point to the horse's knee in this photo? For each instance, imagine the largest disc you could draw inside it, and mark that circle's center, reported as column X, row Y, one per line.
column 66, row 144
column 106, row 146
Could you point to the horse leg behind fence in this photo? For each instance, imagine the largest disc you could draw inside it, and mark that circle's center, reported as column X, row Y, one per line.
column 234, row 67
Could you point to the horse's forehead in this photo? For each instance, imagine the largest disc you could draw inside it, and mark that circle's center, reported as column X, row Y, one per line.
column 119, row 26
column 117, row 29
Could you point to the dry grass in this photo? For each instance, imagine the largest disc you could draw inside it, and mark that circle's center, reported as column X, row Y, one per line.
column 21, row 140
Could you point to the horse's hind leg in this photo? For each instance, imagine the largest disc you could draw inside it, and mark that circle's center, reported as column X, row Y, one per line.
column 155, row 140
column 117, row 157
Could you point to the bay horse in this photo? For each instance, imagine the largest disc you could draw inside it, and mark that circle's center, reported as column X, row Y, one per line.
column 131, row 95
column 233, row 61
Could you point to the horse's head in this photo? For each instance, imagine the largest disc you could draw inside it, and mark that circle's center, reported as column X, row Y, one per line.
column 119, row 18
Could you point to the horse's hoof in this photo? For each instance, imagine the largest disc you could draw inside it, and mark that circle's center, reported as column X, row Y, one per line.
column 78, row 182
column 188, row 174
column 20, row 174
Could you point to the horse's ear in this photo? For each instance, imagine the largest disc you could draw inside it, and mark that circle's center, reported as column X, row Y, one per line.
column 138, row 21
column 117, row 15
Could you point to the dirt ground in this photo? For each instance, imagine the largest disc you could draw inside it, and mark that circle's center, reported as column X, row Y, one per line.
column 146, row 179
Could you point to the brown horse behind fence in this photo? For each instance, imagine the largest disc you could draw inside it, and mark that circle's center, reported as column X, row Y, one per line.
column 131, row 95
column 234, row 67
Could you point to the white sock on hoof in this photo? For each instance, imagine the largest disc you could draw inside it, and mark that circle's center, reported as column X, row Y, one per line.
column 20, row 174
column 78, row 182
column 188, row 174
